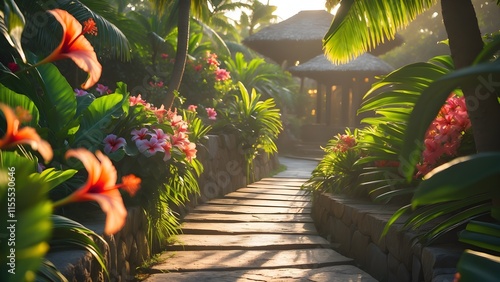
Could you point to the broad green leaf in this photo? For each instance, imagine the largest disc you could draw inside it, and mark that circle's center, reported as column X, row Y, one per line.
column 459, row 179
column 12, row 25
column 484, row 228
column 14, row 99
column 431, row 101
column 96, row 119
column 54, row 177
column 30, row 220
column 484, row 241
column 59, row 102
column 477, row 266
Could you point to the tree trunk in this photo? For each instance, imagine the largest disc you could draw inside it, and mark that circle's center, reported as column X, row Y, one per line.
column 181, row 54
column 466, row 43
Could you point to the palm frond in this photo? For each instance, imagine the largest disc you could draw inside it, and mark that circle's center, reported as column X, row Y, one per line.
column 360, row 25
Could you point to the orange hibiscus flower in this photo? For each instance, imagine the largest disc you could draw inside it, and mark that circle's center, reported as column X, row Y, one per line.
column 27, row 135
column 101, row 187
column 76, row 47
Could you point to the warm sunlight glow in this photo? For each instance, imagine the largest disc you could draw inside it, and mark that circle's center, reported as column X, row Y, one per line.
column 288, row 8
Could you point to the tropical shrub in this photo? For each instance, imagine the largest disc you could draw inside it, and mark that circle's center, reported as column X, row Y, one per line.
column 256, row 124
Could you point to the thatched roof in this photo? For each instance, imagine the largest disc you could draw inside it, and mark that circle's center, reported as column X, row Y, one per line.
column 323, row 70
column 298, row 38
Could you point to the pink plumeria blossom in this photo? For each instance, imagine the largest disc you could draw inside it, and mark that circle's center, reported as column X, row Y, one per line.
column 179, row 140
column 192, row 108
column 140, row 134
column 221, row 74
column 80, row 92
column 113, row 143
column 136, row 100
column 211, row 113
column 150, row 147
column 190, row 151
column 160, row 113
column 159, row 135
column 102, row 89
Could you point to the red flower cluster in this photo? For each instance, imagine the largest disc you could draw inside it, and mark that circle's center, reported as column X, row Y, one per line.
column 444, row 136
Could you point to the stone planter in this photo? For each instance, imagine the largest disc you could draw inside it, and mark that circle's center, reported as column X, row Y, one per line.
column 354, row 228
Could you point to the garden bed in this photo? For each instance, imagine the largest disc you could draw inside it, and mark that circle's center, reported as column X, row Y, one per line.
column 224, row 172
column 353, row 226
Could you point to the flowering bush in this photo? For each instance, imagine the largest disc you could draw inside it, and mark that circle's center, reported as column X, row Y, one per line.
column 204, row 80
column 159, row 146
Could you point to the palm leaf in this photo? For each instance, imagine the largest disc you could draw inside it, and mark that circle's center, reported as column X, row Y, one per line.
column 360, row 25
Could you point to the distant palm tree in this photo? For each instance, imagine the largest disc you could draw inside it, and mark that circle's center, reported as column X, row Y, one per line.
column 373, row 20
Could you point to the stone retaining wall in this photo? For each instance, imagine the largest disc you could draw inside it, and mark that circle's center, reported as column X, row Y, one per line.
column 354, row 228
column 224, row 172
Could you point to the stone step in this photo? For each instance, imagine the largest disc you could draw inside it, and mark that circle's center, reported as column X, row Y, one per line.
column 192, row 242
column 270, row 197
column 261, row 203
column 272, row 191
column 339, row 273
column 216, row 260
column 274, row 185
column 219, row 217
column 249, row 209
column 281, row 179
column 218, row 228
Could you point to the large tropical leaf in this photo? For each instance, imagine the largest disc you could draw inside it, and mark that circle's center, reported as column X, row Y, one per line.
column 95, row 120
column 478, row 266
column 58, row 104
column 25, row 220
column 12, row 25
column 461, row 178
column 360, row 25
column 14, row 100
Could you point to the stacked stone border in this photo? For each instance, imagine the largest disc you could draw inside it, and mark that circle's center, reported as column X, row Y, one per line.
column 354, row 228
column 224, row 172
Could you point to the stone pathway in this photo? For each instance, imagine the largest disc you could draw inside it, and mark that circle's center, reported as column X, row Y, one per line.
column 262, row 232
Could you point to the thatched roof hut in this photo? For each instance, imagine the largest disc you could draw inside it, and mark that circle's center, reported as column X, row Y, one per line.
column 298, row 38
column 322, row 70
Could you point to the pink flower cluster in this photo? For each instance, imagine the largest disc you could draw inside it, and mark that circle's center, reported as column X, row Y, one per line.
column 154, row 140
column 445, row 134
column 220, row 74
column 344, row 143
